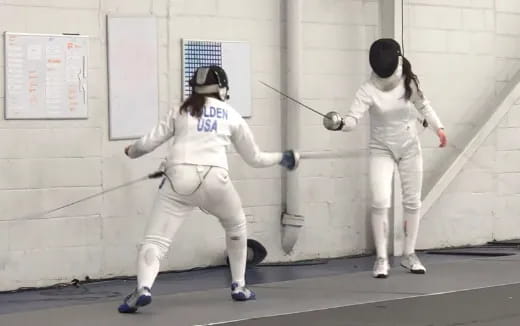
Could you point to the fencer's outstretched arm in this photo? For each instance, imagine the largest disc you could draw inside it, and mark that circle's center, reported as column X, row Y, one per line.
column 163, row 131
column 360, row 105
column 422, row 105
column 244, row 142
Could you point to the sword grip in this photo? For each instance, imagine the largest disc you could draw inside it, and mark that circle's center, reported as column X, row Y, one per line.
column 155, row 175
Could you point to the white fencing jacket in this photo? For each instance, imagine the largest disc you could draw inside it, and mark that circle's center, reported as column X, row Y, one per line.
column 204, row 141
column 392, row 117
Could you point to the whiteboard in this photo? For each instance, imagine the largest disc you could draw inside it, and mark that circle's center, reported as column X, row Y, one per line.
column 133, row 76
column 46, row 76
column 234, row 57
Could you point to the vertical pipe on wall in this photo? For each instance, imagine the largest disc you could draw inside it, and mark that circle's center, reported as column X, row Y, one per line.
column 397, row 207
column 292, row 219
column 390, row 20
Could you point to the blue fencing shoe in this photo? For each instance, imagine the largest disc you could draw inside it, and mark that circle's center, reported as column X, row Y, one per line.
column 241, row 293
column 139, row 298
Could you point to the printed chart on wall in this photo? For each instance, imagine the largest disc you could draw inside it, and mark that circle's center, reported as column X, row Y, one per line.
column 45, row 76
column 234, row 57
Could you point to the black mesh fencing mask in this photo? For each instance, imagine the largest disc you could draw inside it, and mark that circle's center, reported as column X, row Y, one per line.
column 384, row 57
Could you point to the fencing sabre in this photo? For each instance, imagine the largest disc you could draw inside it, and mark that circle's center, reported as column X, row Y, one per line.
column 153, row 175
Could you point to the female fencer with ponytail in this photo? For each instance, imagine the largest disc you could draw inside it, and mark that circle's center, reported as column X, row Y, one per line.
column 390, row 96
column 197, row 176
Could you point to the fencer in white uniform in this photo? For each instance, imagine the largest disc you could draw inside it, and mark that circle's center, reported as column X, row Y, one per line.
column 392, row 97
column 197, row 175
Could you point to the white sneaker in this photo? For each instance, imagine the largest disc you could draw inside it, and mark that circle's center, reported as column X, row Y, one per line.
column 381, row 268
column 413, row 264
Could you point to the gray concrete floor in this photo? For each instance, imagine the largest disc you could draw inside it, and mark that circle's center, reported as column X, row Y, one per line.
column 482, row 307
column 457, row 290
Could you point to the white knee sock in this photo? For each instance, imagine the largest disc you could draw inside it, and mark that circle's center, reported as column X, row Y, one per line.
column 236, row 242
column 148, row 263
column 411, row 229
column 380, row 230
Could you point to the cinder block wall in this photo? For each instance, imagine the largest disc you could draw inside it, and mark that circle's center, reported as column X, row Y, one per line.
column 464, row 52
column 48, row 163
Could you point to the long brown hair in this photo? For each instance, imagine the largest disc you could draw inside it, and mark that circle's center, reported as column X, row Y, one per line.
column 194, row 105
column 409, row 76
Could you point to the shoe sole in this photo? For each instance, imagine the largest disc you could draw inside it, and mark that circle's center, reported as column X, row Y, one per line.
column 242, row 297
column 126, row 309
column 414, row 271
column 418, row 271
column 381, row 276
column 142, row 301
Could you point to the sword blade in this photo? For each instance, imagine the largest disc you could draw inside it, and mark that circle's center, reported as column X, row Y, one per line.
column 294, row 100
column 46, row 212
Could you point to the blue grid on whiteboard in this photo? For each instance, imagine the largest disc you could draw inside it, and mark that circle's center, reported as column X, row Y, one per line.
column 199, row 53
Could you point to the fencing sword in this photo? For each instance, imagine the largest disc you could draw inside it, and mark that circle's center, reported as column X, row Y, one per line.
column 294, row 100
column 333, row 116
column 153, row 175
column 337, row 154
column 331, row 121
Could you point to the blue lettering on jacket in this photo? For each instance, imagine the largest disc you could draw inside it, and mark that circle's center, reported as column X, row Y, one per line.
column 207, row 125
column 210, row 117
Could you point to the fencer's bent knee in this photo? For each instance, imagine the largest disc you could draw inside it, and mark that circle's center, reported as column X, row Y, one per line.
column 153, row 248
column 236, row 231
column 379, row 210
column 412, row 210
column 381, row 203
column 150, row 253
column 381, row 198
column 412, row 205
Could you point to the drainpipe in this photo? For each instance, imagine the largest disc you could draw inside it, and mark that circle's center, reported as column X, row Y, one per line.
column 292, row 218
column 390, row 18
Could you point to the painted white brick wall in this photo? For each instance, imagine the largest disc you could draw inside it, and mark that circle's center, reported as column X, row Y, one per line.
column 55, row 233
column 507, row 6
column 45, row 173
column 335, row 61
column 77, row 4
column 53, row 162
column 429, row 17
column 44, row 266
column 460, row 72
column 478, row 20
column 508, row 23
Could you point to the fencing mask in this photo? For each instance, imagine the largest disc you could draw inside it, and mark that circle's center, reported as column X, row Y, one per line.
column 210, row 80
column 384, row 57
column 256, row 253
